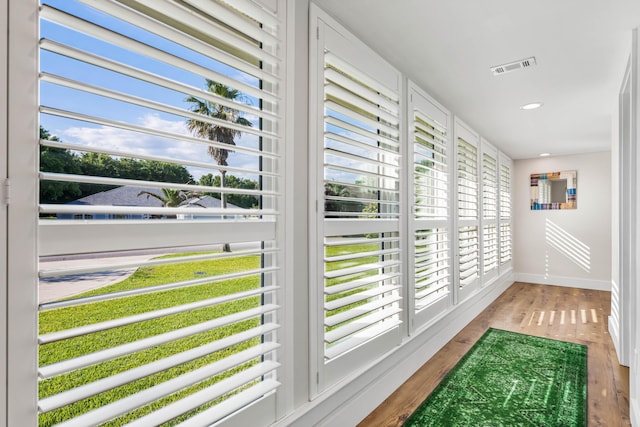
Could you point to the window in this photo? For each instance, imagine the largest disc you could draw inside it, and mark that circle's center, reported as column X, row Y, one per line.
column 358, row 245
column 159, row 315
column 431, row 249
column 468, row 210
column 489, row 211
column 505, row 212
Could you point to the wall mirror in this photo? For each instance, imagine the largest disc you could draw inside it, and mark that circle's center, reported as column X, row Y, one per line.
column 554, row 190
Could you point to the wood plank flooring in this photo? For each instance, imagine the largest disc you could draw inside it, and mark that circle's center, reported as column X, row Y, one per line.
column 567, row 314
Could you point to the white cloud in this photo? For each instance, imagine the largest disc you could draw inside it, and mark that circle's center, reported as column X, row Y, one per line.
column 136, row 143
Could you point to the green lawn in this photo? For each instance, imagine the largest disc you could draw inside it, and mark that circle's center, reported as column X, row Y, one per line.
column 66, row 318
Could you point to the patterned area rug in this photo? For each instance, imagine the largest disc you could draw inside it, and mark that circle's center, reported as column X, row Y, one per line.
column 511, row 379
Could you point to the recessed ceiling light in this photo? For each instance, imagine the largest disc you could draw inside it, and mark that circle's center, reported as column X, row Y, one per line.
column 545, row 154
column 532, row 106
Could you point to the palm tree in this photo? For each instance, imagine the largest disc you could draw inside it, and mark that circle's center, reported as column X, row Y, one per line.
column 172, row 198
column 218, row 133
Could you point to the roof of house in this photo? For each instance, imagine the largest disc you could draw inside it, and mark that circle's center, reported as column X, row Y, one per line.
column 130, row 196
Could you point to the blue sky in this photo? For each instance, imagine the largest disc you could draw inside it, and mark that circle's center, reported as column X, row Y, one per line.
column 88, row 134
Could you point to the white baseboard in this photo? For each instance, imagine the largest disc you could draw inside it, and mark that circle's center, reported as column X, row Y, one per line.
column 634, row 412
column 570, row 282
column 353, row 399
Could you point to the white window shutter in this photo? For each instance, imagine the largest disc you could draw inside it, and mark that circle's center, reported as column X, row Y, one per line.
column 468, row 210
column 489, row 212
column 506, row 232
column 430, row 253
column 191, row 335
column 357, row 181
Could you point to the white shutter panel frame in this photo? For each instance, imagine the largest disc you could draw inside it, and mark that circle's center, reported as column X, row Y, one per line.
column 430, row 223
column 468, row 210
column 490, row 212
column 505, row 212
column 355, row 118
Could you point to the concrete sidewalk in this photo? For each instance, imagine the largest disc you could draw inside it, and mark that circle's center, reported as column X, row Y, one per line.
column 55, row 288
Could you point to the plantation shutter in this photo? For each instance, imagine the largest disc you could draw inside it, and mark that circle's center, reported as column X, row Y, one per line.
column 489, row 211
column 505, row 212
column 468, row 211
column 430, row 225
column 142, row 319
column 358, row 187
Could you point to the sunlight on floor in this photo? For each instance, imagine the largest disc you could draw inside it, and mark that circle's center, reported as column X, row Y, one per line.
column 564, row 317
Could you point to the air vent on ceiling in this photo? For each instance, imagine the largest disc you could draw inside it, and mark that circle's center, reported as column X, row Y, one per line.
column 513, row 66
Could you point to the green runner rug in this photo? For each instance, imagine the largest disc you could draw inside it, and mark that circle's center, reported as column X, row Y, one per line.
column 511, row 379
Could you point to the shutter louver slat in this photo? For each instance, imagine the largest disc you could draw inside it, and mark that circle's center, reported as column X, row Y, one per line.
column 170, row 116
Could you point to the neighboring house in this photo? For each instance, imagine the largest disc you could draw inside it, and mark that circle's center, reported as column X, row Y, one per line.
column 130, row 196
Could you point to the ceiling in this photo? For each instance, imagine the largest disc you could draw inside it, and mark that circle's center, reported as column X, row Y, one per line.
column 448, row 46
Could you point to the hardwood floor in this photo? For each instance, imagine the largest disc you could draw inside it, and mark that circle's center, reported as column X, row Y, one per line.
column 567, row 314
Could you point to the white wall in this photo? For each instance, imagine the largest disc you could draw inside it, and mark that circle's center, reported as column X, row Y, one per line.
column 584, row 233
